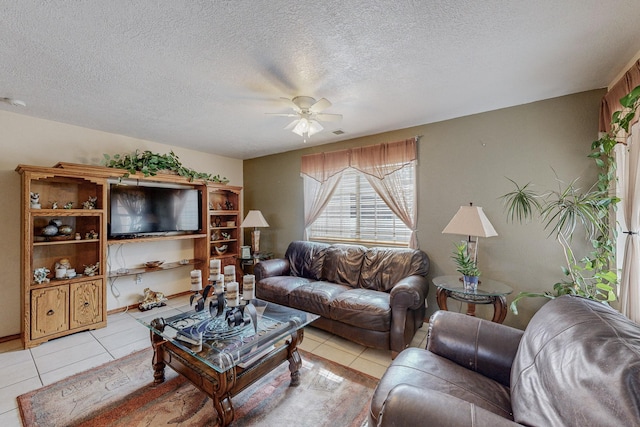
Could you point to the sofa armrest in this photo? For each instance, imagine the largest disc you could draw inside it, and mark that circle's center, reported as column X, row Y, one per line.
column 271, row 268
column 477, row 344
column 409, row 293
column 410, row 406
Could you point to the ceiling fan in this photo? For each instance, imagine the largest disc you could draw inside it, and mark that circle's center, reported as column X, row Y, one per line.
column 307, row 112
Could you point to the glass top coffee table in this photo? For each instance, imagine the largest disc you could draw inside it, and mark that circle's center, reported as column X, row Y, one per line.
column 223, row 351
column 488, row 292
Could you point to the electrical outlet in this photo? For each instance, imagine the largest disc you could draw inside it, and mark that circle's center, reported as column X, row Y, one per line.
column 138, row 279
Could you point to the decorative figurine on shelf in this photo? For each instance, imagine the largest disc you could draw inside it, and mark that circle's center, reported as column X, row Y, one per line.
column 91, row 235
column 54, row 205
column 63, row 263
column 91, row 270
column 78, row 237
column 68, row 205
column 152, row 299
column 62, row 267
column 50, row 230
column 35, row 200
column 40, row 275
column 90, row 204
column 65, row 230
column 228, row 205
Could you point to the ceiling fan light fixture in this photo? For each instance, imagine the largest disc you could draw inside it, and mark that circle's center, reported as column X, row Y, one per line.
column 314, row 127
column 308, row 110
column 302, row 127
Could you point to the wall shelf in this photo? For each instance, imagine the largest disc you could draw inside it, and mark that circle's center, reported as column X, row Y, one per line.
column 165, row 266
column 155, row 239
column 70, row 241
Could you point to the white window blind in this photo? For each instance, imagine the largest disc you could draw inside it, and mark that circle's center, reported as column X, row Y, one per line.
column 356, row 213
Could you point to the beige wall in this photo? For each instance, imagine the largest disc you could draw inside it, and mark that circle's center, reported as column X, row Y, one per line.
column 460, row 161
column 26, row 140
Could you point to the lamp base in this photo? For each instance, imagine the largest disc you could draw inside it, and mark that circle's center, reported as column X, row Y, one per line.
column 255, row 241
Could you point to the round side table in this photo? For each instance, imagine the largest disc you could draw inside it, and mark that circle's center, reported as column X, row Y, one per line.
column 488, row 292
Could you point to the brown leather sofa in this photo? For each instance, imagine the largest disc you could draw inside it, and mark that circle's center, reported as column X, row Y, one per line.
column 372, row 296
column 576, row 364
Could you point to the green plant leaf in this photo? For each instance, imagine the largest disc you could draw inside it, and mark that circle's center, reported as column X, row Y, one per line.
column 521, row 203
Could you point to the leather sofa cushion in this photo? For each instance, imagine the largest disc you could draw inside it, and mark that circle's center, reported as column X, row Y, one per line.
column 362, row 308
column 315, row 297
column 384, row 267
column 306, row 258
column 278, row 288
column 342, row 264
column 578, row 360
column 427, row 370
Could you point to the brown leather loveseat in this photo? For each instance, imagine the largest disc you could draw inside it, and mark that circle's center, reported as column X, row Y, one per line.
column 372, row 296
column 576, row 364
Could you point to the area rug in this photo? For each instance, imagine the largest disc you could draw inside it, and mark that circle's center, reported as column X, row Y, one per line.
column 120, row 393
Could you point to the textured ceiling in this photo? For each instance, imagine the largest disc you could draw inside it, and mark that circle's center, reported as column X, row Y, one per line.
column 202, row 74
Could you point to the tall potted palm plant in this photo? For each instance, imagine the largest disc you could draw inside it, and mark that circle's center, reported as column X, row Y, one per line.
column 568, row 209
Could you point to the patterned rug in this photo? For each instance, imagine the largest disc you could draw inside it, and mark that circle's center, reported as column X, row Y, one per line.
column 120, row 393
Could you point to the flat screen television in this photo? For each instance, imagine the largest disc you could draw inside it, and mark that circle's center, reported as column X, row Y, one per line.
column 136, row 211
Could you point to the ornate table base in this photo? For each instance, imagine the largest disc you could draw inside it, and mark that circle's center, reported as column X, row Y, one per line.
column 222, row 386
column 499, row 302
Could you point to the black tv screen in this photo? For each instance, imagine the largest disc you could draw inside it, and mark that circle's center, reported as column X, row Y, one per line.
column 141, row 210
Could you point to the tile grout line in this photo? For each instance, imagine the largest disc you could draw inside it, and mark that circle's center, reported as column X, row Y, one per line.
column 35, row 365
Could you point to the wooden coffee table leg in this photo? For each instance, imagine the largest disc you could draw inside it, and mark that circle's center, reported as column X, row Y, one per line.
column 224, row 409
column 295, row 361
column 158, row 358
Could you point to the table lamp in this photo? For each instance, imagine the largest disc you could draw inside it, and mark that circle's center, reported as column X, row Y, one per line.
column 472, row 222
column 254, row 219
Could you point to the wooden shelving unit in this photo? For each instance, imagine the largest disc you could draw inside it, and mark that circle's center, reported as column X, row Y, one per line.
column 59, row 307
column 224, row 218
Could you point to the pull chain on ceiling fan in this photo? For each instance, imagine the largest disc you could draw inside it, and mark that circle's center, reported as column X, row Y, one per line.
column 308, row 115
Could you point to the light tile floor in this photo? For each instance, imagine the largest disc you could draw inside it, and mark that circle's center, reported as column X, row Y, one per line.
column 24, row 370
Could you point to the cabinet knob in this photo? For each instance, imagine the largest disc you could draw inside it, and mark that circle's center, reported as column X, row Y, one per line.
column 50, row 313
column 86, row 303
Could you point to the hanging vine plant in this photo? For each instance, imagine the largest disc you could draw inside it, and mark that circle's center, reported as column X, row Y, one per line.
column 150, row 164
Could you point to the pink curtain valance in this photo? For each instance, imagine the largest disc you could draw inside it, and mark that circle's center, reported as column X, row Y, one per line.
column 376, row 160
column 611, row 101
column 322, row 166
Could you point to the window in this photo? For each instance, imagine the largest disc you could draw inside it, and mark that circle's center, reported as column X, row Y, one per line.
column 356, row 213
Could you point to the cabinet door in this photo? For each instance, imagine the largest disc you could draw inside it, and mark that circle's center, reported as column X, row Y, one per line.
column 49, row 311
column 86, row 303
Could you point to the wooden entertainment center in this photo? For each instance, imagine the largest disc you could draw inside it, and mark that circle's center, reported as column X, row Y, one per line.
column 74, row 199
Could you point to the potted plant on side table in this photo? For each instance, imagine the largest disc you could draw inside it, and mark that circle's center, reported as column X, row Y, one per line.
column 467, row 266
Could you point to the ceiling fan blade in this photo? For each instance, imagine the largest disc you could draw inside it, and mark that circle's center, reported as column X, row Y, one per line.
column 292, row 104
column 328, row 117
column 320, row 105
column 283, row 114
column 291, row 125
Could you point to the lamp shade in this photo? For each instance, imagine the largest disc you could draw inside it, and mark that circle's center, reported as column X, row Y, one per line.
column 470, row 221
column 254, row 219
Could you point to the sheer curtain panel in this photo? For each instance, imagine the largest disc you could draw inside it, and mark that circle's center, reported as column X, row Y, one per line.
column 628, row 161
